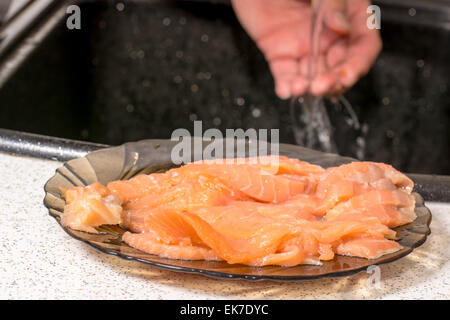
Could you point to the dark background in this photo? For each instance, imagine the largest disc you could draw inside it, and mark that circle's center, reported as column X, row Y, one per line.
column 153, row 67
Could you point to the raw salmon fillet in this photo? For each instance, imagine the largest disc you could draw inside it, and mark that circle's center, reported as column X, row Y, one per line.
column 253, row 211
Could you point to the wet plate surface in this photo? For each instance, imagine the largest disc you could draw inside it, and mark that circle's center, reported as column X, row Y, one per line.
column 125, row 161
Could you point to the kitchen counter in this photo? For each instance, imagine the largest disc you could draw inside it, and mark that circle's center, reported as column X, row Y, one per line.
column 38, row 260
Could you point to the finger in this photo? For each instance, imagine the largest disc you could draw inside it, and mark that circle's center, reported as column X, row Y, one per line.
column 283, row 71
column 337, row 53
column 322, row 65
column 353, row 69
column 299, row 85
column 283, row 87
column 327, row 39
column 363, row 47
column 336, row 18
column 317, row 66
column 323, row 83
column 361, row 55
column 303, row 66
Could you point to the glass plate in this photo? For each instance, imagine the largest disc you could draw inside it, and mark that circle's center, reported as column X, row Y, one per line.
column 130, row 159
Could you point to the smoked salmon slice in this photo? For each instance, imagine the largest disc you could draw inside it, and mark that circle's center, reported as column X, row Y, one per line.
column 90, row 207
column 368, row 248
column 254, row 211
column 145, row 242
column 138, row 186
column 395, row 199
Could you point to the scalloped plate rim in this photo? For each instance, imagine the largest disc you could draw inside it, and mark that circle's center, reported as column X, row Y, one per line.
column 220, row 274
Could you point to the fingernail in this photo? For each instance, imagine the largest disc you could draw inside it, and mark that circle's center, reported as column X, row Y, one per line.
column 298, row 88
column 317, row 88
column 349, row 79
column 283, row 92
column 341, row 20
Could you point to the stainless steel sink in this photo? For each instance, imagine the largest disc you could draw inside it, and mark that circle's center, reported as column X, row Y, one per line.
column 140, row 69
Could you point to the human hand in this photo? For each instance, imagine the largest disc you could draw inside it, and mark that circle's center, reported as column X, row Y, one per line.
column 281, row 29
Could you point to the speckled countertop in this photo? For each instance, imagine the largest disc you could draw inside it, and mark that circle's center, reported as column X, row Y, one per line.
column 39, row 260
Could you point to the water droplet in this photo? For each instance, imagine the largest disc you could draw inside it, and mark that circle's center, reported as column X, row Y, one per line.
column 256, row 113
column 192, row 117
column 166, row 21
column 140, row 54
column 349, row 122
column 130, row 108
column 182, row 21
column 386, row 101
column 240, row 101
column 85, row 133
column 412, row 12
column 360, row 141
column 360, row 145
column 194, row 88
column 390, row 133
column 203, row 76
column 217, row 121
column 365, row 128
column 120, row 6
column 205, row 38
column 225, row 92
column 420, row 63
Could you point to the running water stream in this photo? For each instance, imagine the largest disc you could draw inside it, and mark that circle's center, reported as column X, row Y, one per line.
column 311, row 125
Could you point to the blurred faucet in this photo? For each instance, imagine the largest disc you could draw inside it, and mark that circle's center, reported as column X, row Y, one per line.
column 4, row 7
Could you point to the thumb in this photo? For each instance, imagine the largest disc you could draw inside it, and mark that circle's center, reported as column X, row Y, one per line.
column 335, row 15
